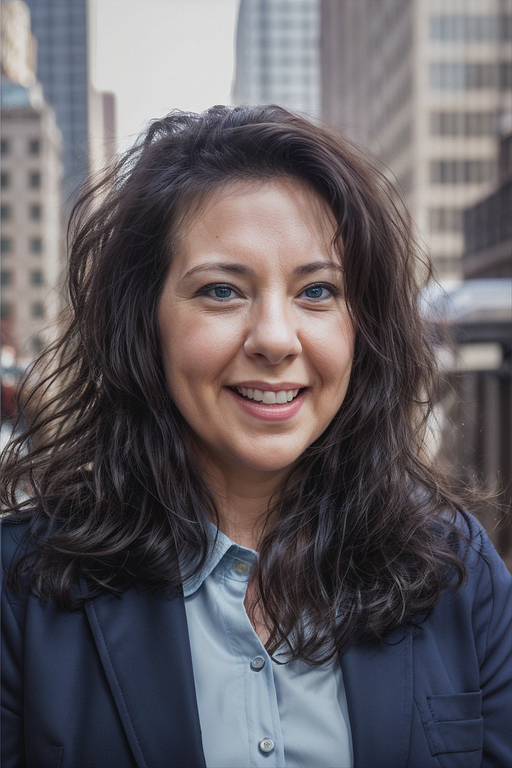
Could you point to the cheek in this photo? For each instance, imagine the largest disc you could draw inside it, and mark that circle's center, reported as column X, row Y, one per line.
column 197, row 352
column 331, row 353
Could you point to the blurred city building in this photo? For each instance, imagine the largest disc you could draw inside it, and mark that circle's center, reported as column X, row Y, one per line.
column 60, row 28
column 53, row 133
column 31, row 206
column 476, row 400
column 488, row 225
column 31, row 213
column 475, row 407
column 425, row 85
column 278, row 54
column 102, row 129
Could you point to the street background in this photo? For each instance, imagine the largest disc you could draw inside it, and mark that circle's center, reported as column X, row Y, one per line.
column 424, row 84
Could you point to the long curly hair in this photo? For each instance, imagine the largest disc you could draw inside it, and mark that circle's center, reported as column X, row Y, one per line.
column 365, row 529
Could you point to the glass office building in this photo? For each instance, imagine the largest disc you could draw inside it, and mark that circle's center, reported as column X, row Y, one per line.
column 60, row 27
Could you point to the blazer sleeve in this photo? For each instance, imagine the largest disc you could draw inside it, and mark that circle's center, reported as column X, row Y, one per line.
column 492, row 621
column 13, row 753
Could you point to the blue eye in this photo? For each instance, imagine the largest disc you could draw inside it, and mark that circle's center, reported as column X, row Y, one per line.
column 218, row 291
column 222, row 292
column 318, row 292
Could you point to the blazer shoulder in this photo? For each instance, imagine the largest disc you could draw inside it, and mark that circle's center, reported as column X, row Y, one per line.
column 476, row 549
column 487, row 591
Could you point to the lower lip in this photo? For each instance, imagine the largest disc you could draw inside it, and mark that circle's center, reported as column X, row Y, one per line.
column 265, row 412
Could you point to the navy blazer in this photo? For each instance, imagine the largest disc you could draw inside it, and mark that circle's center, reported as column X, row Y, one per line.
column 112, row 686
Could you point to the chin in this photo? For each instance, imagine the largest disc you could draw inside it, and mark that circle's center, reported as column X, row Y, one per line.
column 270, row 462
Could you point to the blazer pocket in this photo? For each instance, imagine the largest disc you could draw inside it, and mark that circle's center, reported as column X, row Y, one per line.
column 453, row 723
column 50, row 757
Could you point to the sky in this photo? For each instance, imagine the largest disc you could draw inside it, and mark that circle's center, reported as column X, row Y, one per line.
column 158, row 55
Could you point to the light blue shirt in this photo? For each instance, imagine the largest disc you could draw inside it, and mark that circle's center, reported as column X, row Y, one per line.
column 252, row 711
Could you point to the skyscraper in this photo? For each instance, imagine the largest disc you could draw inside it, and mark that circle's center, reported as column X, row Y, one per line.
column 425, row 84
column 277, row 54
column 60, row 27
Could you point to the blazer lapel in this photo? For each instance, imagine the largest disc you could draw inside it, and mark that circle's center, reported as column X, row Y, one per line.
column 144, row 648
column 378, row 685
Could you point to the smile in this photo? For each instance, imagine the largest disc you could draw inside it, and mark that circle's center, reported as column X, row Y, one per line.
column 268, row 397
column 271, row 405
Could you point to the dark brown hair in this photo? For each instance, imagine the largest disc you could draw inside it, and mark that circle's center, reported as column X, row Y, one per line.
column 113, row 489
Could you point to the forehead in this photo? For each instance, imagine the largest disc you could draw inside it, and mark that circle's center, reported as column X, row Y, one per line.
column 244, row 218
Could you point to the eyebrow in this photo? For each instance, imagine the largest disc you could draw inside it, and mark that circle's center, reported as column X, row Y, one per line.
column 242, row 269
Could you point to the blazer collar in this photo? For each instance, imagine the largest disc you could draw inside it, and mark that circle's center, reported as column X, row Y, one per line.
column 144, row 648
column 378, row 686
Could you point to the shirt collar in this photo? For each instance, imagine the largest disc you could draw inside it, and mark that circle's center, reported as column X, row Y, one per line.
column 221, row 547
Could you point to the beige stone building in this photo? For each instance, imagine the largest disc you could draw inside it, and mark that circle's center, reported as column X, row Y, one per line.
column 32, row 218
column 18, row 44
column 426, row 84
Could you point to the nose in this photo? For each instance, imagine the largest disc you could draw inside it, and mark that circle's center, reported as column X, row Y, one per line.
column 273, row 332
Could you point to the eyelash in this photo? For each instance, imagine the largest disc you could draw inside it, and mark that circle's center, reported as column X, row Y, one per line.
column 204, row 291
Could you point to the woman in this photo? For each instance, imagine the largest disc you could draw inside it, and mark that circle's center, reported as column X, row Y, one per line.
column 233, row 549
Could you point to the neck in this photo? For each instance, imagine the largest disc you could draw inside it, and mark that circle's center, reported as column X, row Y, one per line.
column 242, row 496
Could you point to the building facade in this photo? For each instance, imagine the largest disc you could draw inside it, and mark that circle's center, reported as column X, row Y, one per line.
column 278, row 55
column 60, row 28
column 425, row 85
column 488, row 226
column 31, row 213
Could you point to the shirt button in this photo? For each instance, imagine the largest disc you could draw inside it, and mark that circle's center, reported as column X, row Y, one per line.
column 257, row 663
column 242, row 567
column 266, row 745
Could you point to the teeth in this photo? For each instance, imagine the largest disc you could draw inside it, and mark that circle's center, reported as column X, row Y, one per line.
column 267, row 396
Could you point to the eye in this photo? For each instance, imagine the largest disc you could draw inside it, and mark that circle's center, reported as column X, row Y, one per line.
column 222, row 292
column 218, row 291
column 320, row 291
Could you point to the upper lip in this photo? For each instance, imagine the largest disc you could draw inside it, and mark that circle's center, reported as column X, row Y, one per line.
column 284, row 385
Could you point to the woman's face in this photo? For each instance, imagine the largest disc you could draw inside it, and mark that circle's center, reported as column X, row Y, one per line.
column 257, row 342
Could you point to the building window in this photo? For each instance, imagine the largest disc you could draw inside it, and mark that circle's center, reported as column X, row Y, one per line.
column 5, row 277
column 469, row 28
column 6, row 245
column 34, row 179
column 463, row 123
column 459, row 76
column 462, row 171
column 34, row 212
column 35, row 245
column 5, row 310
column 36, row 277
column 505, row 78
column 506, row 28
column 5, row 180
column 446, row 219
column 5, row 212
column 37, row 309
column 4, row 146
column 34, row 146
